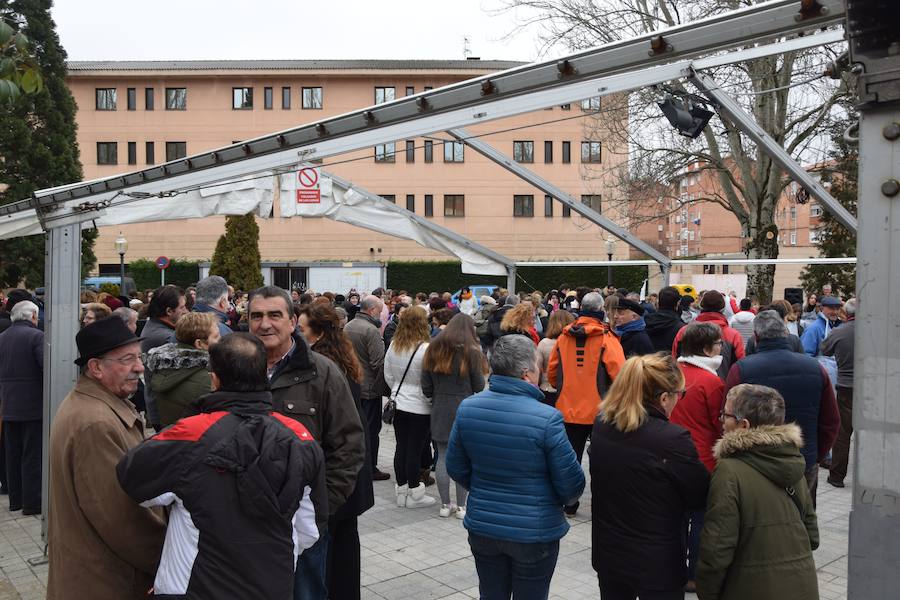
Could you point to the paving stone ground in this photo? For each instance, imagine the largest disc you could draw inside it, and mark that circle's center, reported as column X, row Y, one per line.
column 413, row 554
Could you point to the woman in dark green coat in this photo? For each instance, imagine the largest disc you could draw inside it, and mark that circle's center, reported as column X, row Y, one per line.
column 760, row 528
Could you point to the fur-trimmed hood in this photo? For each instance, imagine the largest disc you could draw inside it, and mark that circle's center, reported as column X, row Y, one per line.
column 773, row 450
column 171, row 364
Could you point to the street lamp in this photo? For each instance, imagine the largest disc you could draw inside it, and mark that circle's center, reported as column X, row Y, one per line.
column 121, row 248
column 610, row 250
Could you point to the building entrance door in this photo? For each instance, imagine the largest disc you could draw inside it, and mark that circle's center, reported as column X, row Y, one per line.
column 288, row 278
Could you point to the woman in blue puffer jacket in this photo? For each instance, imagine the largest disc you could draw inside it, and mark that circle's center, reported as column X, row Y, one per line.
column 511, row 452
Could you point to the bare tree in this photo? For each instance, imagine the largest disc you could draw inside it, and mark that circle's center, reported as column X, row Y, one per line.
column 786, row 94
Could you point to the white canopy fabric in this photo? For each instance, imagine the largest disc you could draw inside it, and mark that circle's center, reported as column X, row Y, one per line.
column 339, row 200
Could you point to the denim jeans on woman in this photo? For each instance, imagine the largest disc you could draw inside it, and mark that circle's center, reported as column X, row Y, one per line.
column 513, row 569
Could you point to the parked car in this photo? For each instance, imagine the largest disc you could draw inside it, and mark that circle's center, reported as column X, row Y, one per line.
column 94, row 283
column 478, row 290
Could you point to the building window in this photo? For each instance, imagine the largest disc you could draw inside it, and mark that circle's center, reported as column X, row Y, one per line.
column 794, row 213
column 454, row 205
column 150, row 151
column 591, row 104
column 132, row 98
column 566, row 106
column 148, row 99
column 106, row 98
column 523, row 205
column 107, row 153
column 175, row 150
column 176, row 98
column 567, row 212
column 815, row 210
column 428, row 88
column 286, row 98
column 242, row 98
column 548, row 206
column 793, row 238
column 590, row 152
column 814, row 236
column 548, row 152
column 523, row 152
column 132, row 153
column 410, row 203
column 385, row 153
column 429, row 151
column 567, row 152
column 312, row 98
column 384, row 94
column 591, row 200
column 268, row 98
column 454, row 152
column 429, row 205
column 410, row 90
column 390, row 198
column 410, row 151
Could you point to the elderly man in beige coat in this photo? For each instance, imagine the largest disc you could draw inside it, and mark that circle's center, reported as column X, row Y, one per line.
column 103, row 545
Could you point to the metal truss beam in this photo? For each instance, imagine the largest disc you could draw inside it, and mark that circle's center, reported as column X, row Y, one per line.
column 753, row 24
column 545, row 186
column 746, row 123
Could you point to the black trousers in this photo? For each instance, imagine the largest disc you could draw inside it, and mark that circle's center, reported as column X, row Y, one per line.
column 372, row 409
column 840, row 453
column 578, row 435
column 611, row 589
column 343, row 566
column 412, row 431
column 22, row 441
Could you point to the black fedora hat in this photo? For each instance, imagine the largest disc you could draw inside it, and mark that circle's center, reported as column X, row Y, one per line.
column 100, row 337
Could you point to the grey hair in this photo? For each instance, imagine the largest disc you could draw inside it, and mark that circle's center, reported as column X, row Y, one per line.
column 633, row 296
column 272, row 291
column 768, row 325
column 125, row 313
column 23, row 311
column 850, row 307
column 759, row 404
column 592, row 302
column 513, row 355
column 511, row 300
column 211, row 289
column 370, row 302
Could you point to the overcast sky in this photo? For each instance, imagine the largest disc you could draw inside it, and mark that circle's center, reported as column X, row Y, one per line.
column 287, row 29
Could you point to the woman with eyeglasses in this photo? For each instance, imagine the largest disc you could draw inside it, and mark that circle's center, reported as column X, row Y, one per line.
column 645, row 476
column 698, row 411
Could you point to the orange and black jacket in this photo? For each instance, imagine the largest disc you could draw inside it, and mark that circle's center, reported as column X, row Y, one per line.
column 584, row 362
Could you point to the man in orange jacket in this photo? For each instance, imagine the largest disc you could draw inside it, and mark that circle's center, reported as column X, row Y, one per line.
column 585, row 361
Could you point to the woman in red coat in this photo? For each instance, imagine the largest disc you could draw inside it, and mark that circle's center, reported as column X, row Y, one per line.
column 698, row 411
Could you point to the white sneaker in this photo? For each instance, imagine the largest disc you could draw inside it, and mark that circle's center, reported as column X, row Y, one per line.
column 402, row 492
column 418, row 499
column 461, row 512
column 447, row 510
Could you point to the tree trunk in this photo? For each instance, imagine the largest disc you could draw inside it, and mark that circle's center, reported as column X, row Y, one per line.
column 762, row 243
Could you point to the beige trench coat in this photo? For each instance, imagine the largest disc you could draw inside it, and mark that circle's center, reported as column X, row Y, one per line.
column 103, row 545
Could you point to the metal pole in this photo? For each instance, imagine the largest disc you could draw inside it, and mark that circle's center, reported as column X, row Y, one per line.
column 666, row 275
column 162, row 277
column 745, row 122
column 121, row 273
column 609, row 281
column 511, row 280
column 61, row 312
column 875, row 514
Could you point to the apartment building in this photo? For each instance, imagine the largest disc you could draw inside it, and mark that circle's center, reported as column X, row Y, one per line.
column 137, row 113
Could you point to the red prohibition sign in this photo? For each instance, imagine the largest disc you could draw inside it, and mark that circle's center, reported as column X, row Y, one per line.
column 308, row 177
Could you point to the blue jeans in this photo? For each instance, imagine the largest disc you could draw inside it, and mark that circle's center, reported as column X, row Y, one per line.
column 309, row 577
column 512, row 569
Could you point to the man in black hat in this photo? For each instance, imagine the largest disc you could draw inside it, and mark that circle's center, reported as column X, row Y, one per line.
column 631, row 329
column 118, row 542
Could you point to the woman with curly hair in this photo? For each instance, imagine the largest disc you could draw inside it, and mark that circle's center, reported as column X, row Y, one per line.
column 321, row 326
column 520, row 319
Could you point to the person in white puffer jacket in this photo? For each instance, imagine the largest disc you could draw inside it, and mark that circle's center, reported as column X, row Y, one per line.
column 412, row 418
column 742, row 320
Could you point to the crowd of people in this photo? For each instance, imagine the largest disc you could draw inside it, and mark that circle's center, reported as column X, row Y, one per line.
column 222, row 444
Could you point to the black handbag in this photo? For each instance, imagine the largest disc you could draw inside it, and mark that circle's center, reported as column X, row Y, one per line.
column 387, row 415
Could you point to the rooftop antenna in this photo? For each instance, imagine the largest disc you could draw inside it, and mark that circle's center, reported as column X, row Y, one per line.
column 467, row 47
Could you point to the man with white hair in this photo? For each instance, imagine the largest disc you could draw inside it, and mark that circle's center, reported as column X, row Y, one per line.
column 840, row 345
column 212, row 297
column 128, row 315
column 21, row 392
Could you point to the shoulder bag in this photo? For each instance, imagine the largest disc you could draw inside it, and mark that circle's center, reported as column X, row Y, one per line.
column 387, row 415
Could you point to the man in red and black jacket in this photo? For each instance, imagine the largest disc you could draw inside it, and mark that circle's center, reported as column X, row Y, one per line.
column 244, row 486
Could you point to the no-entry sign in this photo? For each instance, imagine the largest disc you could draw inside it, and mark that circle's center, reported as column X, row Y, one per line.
column 308, row 191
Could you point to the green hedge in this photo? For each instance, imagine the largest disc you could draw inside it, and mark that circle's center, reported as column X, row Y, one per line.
column 423, row 276
column 182, row 273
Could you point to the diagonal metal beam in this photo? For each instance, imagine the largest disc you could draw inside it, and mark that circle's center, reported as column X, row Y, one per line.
column 545, row 186
column 733, row 29
column 747, row 124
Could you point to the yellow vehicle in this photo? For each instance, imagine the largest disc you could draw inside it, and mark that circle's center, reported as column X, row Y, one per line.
column 686, row 290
